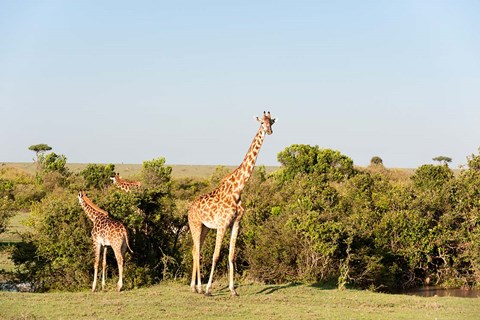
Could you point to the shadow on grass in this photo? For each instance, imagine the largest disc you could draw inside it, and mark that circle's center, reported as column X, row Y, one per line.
column 273, row 288
column 318, row 285
column 7, row 244
column 324, row 285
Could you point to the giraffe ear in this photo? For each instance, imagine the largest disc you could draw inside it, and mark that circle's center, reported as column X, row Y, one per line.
column 257, row 118
column 274, row 120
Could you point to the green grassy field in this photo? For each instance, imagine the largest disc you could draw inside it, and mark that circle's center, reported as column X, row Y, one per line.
column 172, row 300
column 11, row 235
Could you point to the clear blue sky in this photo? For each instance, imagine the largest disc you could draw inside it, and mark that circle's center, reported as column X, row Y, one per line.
column 128, row 81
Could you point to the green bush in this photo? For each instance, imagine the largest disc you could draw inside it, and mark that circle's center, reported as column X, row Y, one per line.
column 58, row 252
column 97, row 176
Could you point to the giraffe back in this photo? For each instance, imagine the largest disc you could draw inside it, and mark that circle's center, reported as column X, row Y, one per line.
column 125, row 185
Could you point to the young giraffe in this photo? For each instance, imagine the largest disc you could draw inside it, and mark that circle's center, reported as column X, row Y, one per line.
column 125, row 185
column 222, row 208
column 105, row 232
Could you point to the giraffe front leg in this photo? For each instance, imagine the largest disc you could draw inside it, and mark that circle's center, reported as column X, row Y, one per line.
column 98, row 248
column 231, row 256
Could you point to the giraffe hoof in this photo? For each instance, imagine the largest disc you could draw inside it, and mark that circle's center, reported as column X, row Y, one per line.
column 208, row 294
column 197, row 290
column 234, row 293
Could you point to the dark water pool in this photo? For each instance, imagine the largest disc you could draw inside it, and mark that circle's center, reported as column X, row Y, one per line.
column 16, row 287
column 441, row 292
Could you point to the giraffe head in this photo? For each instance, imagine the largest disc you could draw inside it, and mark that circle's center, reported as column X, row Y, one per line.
column 267, row 122
column 81, row 194
column 115, row 177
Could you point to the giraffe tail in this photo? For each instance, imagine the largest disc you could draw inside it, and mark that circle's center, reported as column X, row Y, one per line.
column 126, row 241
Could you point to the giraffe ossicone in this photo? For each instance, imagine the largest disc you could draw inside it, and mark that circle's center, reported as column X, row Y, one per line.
column 222, row 208
column 105, row 232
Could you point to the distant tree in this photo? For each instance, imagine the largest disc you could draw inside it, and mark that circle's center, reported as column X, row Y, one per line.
column 442, row 159
column 157, row 175
column 53, row 171
column 305, row 159
column 39, row 148
column 53, row 162
column 376, row 161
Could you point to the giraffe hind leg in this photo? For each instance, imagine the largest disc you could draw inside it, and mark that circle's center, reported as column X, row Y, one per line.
column 119, row 251
column 203, row 235
column 98, row 248
column 199, row 233
column 196, row 235
column 104, row 266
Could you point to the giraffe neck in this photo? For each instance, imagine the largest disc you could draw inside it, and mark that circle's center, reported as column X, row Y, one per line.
column 244, row 171
column 92, row 211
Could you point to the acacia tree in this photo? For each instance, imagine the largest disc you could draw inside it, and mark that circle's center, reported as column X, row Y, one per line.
column 39, row 149
column 443, row 159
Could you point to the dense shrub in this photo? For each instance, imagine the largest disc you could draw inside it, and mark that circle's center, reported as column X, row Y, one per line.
column 57, row 253
column 366, row 227
column 317, row 218
column 97, row 176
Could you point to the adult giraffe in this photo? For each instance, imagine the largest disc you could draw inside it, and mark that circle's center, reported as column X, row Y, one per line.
column 222, row 208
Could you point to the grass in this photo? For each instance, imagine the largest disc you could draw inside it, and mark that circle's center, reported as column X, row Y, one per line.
column 10, row 236
column 15, row 225
column 173, row 300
